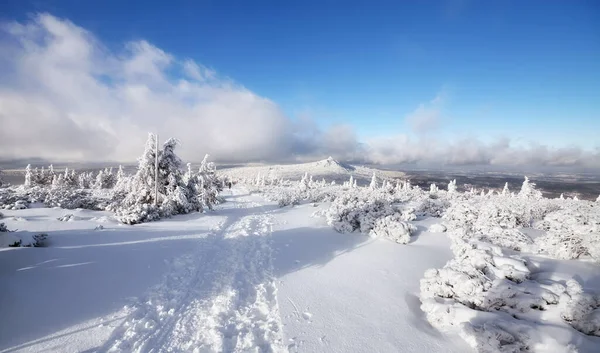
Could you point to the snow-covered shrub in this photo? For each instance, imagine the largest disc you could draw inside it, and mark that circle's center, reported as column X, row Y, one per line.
column 408, row 214
column 289, row 198
column 581, row 309
column 485, row 296
column 571, row 231
column 560, row 245
column 391, row 227
column 434, row 207
column 39, row 240
column 353, row 211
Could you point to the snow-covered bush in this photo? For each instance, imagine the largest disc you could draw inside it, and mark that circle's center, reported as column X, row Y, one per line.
column 39, row 240
column 391, row 227
column 355, row 211
column 485, row 296
column 289, row 197
column 571, row 231
column 581, row 309
column 434, row 207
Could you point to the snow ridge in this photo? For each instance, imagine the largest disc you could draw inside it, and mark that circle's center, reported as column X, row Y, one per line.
column 221, row 298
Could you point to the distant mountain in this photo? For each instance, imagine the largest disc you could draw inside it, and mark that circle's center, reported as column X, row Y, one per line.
column 329, row 169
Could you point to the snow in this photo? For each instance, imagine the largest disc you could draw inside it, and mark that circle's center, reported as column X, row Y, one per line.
column 319, row 272
column 328, row 168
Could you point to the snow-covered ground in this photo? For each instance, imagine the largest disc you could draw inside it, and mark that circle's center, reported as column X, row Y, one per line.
column 306, row 266
column 248, row 277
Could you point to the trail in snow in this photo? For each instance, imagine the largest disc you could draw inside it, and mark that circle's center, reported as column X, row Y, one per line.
column 220, row 298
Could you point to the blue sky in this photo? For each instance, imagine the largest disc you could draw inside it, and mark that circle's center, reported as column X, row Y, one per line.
column 527, row 70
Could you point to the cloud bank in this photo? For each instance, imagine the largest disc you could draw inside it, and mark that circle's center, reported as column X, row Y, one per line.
column 64, row 96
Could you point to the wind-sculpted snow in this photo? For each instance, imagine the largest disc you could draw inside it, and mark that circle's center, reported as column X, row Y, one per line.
column 220, row 299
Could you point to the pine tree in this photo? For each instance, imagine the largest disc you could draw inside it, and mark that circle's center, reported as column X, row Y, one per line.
column 452, row 186
column 528, row 190
column 505, row 191
column 433, row 188
column 210, row 184
column 28, row 176
column 373, row 184
column 98, row 184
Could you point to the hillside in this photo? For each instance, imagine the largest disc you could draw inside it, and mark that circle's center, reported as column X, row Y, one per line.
column 329, row 168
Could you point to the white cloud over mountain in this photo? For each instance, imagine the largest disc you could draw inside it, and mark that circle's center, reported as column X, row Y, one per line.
column 64, row 96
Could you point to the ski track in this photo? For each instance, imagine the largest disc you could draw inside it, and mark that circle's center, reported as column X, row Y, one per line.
column 220, row 298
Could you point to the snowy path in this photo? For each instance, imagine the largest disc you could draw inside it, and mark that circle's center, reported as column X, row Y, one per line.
column 221, row 298
column 206, row 283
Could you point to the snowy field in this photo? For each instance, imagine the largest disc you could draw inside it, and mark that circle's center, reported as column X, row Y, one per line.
column 248, row 277
column 273, row 265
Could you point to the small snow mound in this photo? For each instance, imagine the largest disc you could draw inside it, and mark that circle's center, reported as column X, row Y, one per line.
column 68, row 218
column 437, row 228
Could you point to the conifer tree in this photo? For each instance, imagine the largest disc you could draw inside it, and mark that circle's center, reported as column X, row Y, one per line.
column 373, row 184
column 28, row 176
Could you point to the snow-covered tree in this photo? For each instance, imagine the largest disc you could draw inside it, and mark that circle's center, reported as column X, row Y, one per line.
column 529, row 191
column 209, row 183
column 433, row 188
column 175, row 194
column 505, row 191
column 373, row 184
column 29, row 178
column 598, row 199
column 452, row 186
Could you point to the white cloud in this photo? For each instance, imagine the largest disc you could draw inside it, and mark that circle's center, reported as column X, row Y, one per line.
column 426, row 117
column 64, row 96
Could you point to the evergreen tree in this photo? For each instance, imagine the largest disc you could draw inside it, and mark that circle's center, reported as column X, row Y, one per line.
column 505, row 191
column 452, row 186
column 528, row 190
column 177, row 194
column 28, row 176
column 373, row 184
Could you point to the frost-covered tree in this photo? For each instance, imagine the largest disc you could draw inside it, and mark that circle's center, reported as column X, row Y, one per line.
column 529, row 191
column 505, row 190
column 598, row 199
column 433, row 188
column 452, row 186
column 29, row 178
column 69, row 178
column 373, row 184
column 209, row 183
column 176, row 195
